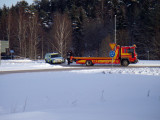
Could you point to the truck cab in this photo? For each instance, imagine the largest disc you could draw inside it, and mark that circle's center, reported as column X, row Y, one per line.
column 128, row 55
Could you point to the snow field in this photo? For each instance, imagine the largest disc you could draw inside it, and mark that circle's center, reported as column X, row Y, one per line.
column 97, row 94
column 79, row 95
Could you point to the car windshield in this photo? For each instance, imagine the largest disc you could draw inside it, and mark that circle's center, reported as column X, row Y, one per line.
column 57, row 55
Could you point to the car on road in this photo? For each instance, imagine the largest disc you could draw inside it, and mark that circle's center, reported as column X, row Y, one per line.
column 54, row 58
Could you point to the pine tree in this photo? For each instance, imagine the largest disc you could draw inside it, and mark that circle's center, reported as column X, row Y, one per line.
column 145, row 29
column 3, row 24
column 155, row 30
column 138, row 22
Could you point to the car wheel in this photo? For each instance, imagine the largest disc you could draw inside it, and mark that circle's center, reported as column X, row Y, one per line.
column 50, row 62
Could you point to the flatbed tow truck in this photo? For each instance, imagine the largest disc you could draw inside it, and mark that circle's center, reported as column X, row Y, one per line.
column 123, row 55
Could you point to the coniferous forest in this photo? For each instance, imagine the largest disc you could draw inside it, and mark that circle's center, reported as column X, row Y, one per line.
column 84, row 26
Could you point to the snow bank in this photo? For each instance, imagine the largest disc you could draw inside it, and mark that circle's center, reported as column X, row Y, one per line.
column 147, row 63
column 138, row 71
column 26, row 64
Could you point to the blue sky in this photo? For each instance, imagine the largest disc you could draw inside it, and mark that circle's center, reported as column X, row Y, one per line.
column 9, row 3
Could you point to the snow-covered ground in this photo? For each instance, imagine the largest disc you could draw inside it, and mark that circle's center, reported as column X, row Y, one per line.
column 13, row 65
column 146, row 63
column 96, row 94
column 26, row 64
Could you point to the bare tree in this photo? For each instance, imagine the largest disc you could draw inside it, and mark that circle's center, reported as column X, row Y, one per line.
column 25, row 26
column 42, row 45
column 20, row 30
column 12, row 30
column 36, row 35
column 33, row 27
column 62, row 33
column 9, row 27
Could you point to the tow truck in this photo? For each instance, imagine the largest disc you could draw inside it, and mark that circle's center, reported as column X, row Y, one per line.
column 123, row 55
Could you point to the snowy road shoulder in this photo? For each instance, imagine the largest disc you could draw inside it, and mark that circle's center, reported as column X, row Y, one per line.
column 16, row 65
column 137, row 71
column 147, row 63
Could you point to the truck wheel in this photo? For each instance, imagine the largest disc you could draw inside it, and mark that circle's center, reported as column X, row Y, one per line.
column 125, row 63
column 89, row 63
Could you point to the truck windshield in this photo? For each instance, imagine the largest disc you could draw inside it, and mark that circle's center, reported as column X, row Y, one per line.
column 130, row 50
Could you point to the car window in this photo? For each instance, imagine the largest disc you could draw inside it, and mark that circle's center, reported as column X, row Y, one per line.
column 57, row 55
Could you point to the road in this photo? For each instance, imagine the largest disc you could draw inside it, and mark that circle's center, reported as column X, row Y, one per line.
column 73, row 67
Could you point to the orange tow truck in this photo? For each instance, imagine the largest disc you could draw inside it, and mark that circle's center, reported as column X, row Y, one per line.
column 123, row 55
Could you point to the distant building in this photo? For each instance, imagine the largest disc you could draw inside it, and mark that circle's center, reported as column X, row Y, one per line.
column 4, row 46
column 4, row 50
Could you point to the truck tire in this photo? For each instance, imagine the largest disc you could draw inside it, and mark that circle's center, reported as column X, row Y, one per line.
column 89, row 63
column 125, row 63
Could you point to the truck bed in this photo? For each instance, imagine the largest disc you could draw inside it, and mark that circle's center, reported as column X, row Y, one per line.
column 92, row 58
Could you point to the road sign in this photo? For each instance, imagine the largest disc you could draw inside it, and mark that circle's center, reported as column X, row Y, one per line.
column 112, row 53
column 112, row 45
column 11, row 51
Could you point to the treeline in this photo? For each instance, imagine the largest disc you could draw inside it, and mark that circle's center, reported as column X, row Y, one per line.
column 84, row 26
